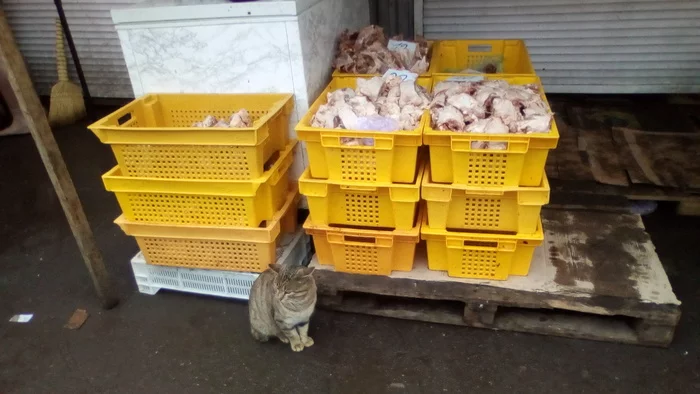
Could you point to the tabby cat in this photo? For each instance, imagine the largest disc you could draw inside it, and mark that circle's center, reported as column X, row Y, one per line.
column 282, row 300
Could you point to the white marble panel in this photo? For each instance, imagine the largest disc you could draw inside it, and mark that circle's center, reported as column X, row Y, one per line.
column 319, row 28
column 130, row 61
column 240, row 58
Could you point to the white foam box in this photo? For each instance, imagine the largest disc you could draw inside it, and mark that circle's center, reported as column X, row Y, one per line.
column 151, row 278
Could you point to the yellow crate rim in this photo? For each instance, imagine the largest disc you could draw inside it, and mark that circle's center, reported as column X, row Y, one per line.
column 109, row 134
column 306, row 179
column 412, row 235
column 242, row 234
column 114, row 181
column 431, row 233
column 542, row 190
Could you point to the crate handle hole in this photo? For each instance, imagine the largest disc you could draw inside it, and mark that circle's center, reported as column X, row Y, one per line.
column 483, row 244
column 124, row 119
column 351, row 238
column 480, row 48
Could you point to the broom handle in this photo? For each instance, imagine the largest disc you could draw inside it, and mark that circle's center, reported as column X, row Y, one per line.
column 61, row 63
column 74, row 54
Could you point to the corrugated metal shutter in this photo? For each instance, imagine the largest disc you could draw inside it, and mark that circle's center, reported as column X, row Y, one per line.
column 587, row 46
column 33, row 24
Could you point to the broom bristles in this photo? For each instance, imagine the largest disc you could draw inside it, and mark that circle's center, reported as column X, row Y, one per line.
column 67, row 105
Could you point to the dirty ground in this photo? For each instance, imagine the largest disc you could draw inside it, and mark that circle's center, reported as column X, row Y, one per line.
column 175, row 342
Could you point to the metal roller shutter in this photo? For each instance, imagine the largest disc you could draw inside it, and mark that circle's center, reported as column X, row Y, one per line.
column 587, row 46
column 33, row 24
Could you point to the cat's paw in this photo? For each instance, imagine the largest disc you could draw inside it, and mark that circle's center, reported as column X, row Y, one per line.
column 297, row 347
column 308, row 342
column 283, row 339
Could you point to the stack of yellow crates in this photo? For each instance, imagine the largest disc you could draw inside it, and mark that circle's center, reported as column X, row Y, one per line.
column 363, row 191
column 211, row 198
column 483, row 206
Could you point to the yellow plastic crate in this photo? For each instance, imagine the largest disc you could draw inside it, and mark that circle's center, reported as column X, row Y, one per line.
column 389, row 205
column 454, row 56
column 200, row 202
column 391, row 159
column 214, row 247
column 366, row 252
column 514, row 210
column 480, row 255
column 153, row 135
column 453, row 160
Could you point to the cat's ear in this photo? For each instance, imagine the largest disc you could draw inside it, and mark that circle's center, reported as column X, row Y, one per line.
column 306, row 271
column 276, row 268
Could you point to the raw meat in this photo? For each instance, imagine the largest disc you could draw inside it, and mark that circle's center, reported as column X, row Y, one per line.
column 366, row 52
column 362, row 106
column 379, row 104
column 491, row 106
column 466, row 104
column 535, row 124
column 370, row 87
column 507, row 111
column 450, row 119
column 240, row 119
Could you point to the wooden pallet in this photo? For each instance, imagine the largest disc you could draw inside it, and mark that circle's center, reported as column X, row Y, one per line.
column 596, row 276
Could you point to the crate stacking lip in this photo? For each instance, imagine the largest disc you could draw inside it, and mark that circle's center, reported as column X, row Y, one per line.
column 496, row 57
column 454, row 160
column 506, row 209
column 203, row 202
column 389, row 205
column 480, row 255
column 391, row 158
column 249, row 249
column 153, row 136
column 365, row 251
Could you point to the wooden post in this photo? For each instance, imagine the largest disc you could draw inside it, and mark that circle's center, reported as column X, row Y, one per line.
column 35, row 117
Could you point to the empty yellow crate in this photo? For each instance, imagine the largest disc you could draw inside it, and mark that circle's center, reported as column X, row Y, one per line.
column 391, row 159
column 514, row 209
column 367, row 252
column 480, row 255
column 510, row 57
column 203, row 202
column 453, row 160
column 390, row 205
column 153, row 135
column 214, row 247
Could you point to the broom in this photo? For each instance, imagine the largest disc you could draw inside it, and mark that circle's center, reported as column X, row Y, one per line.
column 67, row 104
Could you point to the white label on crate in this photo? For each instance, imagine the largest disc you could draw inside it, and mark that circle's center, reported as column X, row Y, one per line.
column 405, row 75
column 475, row 78
column 394, row 45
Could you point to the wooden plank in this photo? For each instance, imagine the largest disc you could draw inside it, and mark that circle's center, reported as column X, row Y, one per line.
column 603, row 157
column 38, row 125
column 600, row 265
column 689, row 208
column 665, row 158
column 534, row 321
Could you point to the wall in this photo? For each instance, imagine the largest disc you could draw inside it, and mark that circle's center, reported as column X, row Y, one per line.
column 587, row 46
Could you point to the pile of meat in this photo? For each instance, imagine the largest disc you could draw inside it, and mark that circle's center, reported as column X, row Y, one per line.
column 378, row 104
column 366, row 52
column 238, row 119
column 490, row 107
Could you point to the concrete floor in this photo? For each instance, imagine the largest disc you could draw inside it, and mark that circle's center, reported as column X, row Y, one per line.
column 175, row 342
